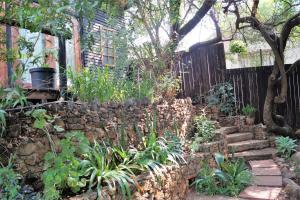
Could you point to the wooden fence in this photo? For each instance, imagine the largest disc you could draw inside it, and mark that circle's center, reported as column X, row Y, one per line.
column 250, row 87
column 204, row 67
column 200, row 69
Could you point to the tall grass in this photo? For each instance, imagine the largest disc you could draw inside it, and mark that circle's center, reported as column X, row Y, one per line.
column 105, row 85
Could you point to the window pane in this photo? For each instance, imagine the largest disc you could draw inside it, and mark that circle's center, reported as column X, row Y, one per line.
column 105, row 60
column 111, row 61
column 105, row 52
column 111, row 52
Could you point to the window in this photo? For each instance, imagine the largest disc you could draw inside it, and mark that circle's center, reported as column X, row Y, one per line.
column 108, row 52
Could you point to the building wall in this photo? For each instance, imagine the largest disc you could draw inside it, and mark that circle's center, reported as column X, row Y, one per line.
column 44, row 42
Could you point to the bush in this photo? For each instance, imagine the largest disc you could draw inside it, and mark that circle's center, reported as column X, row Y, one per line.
column 222, row 95
column 237, row 46
column 285, row 146
column 205, row 129
column 230, row 178
column 9, row 183
column 249, row 110
column 81, row 166
column 104, row 85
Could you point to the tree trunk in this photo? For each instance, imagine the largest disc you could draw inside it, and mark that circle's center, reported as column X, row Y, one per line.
column 276, row 123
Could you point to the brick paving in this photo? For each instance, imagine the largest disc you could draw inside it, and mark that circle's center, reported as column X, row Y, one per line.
column 267, row 181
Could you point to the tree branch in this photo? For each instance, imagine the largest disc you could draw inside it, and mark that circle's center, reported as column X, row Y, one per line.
column 206, row 6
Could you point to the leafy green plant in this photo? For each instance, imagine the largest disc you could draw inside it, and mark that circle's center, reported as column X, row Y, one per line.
column 2, row 122
column 41, row 121
column 249, row 110
column 222, row 95
column 65, row 170
column 80, row 165
column 104, row 85
column 230, row 178
column 158, row 151
column 110, row 166
column 285, row 146
column 205, row 129
column 13, row 97
column 167, row 85
column 237, row 46
column 9, row 182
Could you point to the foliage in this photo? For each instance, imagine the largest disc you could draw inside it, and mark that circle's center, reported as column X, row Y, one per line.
column 2, row 122
column 42, row 121
column 105, row 85
column 205, row 129
column 12, row 97
column 285, row 146
column 80, row 166
column 65, row 170
column 230, row 178
column 167, row 85
column 222, row 95
column 110, row 166
column 237, row 46
column 9, row 182
column 159, row 150
column 248, row 110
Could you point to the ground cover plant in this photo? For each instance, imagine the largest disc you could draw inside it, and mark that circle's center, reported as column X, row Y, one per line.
column 285, row 146
column 229, row 178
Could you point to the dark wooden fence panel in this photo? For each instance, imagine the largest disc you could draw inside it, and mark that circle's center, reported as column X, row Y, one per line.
column 250, row 87
column 205, row 67
column 201, row 69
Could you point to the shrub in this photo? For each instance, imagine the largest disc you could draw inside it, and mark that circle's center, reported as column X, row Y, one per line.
column 65, row 170
column 105, row 85
column 285, row 146
column 237, row 46
column 205, row 129
column 222, row 95
column 230, row 178
column 80, row 166
column 248, row 110
column 9, row 183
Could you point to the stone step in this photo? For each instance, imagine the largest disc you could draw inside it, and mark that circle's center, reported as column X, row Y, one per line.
column 262, row 164
column 271, row 181
column 271, row 171
column 248, row 145
column 260, row 193
column 239, row 137
column 228, row 130
column 261, row 154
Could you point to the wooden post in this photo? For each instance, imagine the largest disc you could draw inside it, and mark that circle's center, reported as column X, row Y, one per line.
column 9, row 52
column 9, row 62
column 62, row 61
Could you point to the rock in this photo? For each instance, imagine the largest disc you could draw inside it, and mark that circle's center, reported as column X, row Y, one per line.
column 292, row 189
column 14, row 130
column 296, row 157
column 297, row 132
column 27, row 149
column 286, row 173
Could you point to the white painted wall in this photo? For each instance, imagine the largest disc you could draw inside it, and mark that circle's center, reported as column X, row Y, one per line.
column 252, row 58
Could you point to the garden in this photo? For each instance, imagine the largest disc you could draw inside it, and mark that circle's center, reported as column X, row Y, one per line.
column 98, row 100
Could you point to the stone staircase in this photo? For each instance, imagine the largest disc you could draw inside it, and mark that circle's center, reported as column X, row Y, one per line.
column 267, row 179
column 244, row 145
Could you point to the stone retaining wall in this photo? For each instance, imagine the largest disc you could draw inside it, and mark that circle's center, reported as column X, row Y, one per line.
column 100, row 122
